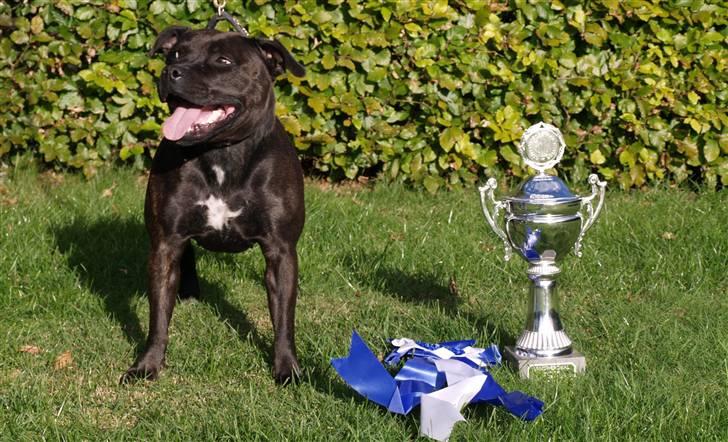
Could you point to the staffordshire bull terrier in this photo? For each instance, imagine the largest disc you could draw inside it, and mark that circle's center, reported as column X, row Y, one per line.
column 226, row 175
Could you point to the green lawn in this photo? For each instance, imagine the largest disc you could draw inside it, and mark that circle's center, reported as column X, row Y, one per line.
column 647, row 305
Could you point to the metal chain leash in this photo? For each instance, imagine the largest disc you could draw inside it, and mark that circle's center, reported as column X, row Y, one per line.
column 223, row 15
column 220, row 5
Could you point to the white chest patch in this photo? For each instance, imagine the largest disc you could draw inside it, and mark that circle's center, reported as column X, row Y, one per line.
column 218, row 213
column 219, row 174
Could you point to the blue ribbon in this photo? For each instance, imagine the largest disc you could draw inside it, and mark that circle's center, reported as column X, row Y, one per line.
column 363, row 372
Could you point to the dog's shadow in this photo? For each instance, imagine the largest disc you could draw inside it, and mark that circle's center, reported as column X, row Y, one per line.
column 109, row 258
column 421, row 287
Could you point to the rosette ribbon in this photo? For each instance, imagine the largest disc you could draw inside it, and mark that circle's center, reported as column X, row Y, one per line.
column 440, row 378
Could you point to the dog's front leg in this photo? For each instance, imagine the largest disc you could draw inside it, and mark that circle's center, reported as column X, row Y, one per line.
column 281, row 279
column 164, row 277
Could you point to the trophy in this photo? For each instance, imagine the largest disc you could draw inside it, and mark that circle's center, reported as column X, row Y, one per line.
column 542, row 221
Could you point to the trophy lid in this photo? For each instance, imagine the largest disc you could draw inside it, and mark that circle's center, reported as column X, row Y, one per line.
column 544, row 194
column 544, row 187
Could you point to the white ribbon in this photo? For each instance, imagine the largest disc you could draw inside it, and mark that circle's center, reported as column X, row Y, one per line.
column 471, row 353
column 440, row 410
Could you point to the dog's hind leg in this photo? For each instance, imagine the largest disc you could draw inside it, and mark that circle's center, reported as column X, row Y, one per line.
column 189, row 285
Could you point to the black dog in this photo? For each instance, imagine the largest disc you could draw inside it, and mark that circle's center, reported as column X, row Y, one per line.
column 226, row 175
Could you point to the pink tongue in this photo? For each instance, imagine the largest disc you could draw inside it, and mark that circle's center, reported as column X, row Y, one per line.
column 177, row 125
column 183, row 118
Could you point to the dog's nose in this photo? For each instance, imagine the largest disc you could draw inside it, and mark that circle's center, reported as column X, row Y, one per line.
column 175, row 74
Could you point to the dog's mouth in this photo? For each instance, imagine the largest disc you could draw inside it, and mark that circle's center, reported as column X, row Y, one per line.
column 191, row 120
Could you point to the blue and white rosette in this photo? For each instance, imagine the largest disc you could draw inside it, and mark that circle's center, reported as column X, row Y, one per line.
column 441, row 378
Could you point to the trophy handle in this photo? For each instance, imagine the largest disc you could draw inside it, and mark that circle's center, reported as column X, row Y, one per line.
column 488, row 190
column 598, row 187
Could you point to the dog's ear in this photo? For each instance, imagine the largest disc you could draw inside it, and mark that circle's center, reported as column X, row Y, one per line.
column 278, row 59
column 167, row 39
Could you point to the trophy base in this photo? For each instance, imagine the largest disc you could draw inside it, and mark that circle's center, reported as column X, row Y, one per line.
column 523, row 363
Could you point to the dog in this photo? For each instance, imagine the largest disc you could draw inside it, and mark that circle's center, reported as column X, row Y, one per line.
column 226, row 175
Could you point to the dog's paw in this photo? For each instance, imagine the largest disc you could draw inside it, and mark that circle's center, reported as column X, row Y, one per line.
column 139, row 373
column 187, row 297
column 286, row 370
column 188, row 290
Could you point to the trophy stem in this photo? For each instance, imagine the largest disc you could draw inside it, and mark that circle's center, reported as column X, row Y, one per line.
column 544, row 343
column 544, row 335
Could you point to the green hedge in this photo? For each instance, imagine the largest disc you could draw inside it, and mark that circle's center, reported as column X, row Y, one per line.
column 432, row 92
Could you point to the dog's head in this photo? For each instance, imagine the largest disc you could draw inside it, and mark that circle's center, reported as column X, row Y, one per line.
column 218, row 85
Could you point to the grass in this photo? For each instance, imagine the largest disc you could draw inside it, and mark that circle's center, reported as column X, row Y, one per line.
column 646, row 304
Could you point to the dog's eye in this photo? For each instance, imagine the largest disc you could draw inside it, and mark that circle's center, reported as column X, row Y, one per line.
column 224, row 60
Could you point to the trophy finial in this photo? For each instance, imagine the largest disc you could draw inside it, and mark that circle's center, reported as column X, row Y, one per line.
column 542, row 146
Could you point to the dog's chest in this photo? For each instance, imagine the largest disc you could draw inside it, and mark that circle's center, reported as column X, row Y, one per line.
column 215, row 206
column 219, row 202
column 217, row 213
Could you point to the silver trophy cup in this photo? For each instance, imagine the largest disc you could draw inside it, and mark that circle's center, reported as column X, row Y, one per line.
column 542, row 222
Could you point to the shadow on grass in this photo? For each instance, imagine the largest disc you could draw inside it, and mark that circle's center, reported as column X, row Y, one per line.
column 419, row 287
column 109, row 257
column 213, row 296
